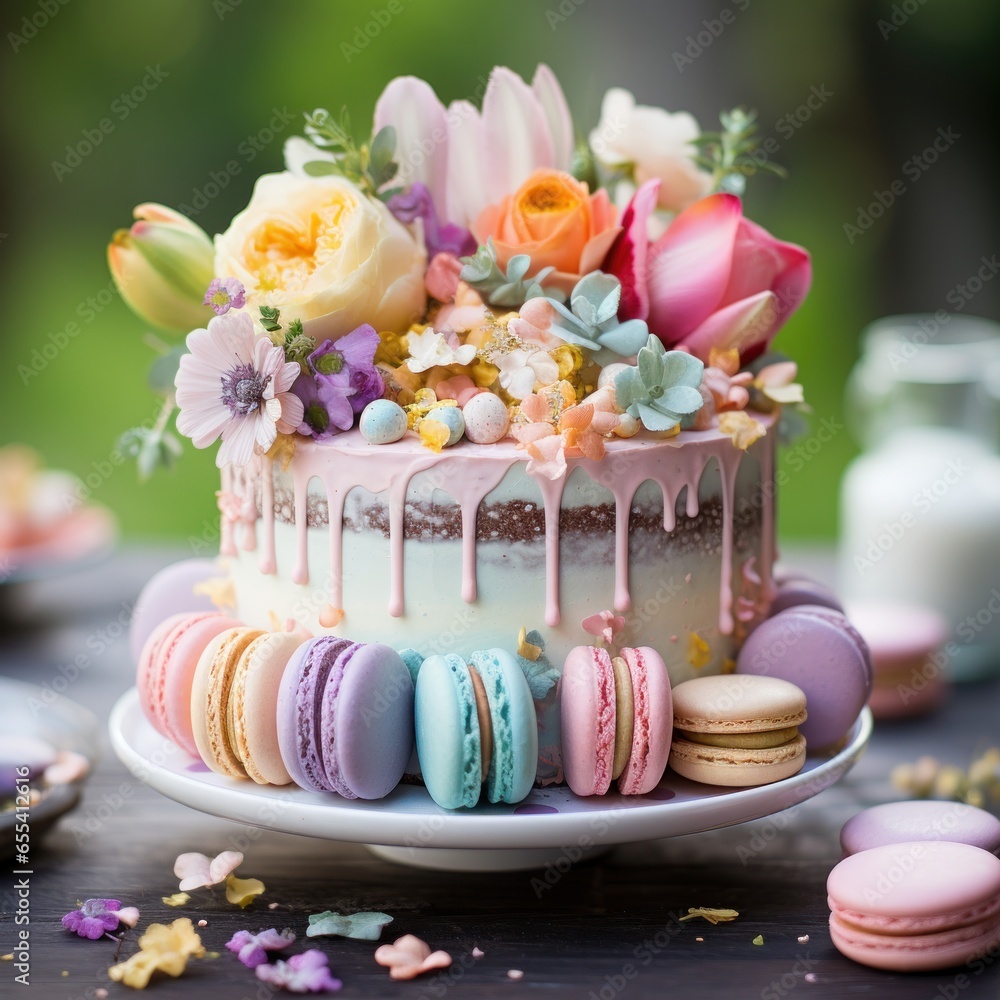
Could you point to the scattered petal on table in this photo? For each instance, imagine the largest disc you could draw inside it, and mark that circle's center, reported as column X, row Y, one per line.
column 365, row 926
column 243, row 891
column 252, row 949
column 164, row 947
column 408, row 957
column 195, row 870
column 305, row 973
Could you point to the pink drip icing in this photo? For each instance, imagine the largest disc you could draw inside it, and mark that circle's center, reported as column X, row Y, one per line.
column 227, row 543
column 473, row 472
column 268, row 562
column 300, row 571
column 248, row 510
column 765, row 455
column 552, row 491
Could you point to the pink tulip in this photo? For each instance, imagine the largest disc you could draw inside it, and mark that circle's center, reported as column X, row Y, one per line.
column 713, row 280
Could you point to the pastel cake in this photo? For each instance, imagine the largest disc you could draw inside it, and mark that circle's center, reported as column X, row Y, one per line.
column 480, row 393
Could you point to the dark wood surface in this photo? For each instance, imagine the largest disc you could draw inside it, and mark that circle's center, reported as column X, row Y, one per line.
column 607, row 929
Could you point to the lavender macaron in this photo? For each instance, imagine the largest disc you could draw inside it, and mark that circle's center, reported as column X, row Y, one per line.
column 819, row 651
column 796, row 590
column 922, row 819
column 345, row 717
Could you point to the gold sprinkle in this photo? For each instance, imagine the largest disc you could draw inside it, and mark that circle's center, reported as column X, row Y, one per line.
column 759, row 939
column 698, row 651
column 712, row 915
column 64, row 973
column 729, row 665
column 9, row 957
column 527, row 649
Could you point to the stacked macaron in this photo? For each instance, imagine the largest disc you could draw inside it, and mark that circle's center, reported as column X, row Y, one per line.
column 616, row 719
column 329, row 714
column 475, row 725
column 738, row 730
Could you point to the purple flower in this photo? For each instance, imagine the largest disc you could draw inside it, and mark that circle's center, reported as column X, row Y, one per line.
column 97, row 917
column 252, row 949
column 305, row 973
column 342, row 368
column 367, row 384
column 326, row 406
column 415, row 203
column 224, row 294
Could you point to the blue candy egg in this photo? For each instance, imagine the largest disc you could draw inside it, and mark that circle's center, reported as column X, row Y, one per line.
column 452, row 418
column 382, row 422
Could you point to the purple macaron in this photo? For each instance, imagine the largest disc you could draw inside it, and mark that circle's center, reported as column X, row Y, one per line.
column 345, row 717
column 922, row 819
column 818, row 650
column 796, row 590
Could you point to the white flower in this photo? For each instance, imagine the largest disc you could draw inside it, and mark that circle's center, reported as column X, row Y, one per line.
column 521, row 370
column 323, row 252
column 657, row 144
column 431, row 349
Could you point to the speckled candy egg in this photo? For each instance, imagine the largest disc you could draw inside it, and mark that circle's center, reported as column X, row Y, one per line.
column 382, row 422
column 486, row 418
column 451, row 417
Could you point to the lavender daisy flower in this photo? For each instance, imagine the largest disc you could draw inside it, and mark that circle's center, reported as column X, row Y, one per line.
column 326, row 406
column 97, row 917
column 416, row 203
column 224, row 294
column 305, row 973
column 238, row 386
column 349, row 361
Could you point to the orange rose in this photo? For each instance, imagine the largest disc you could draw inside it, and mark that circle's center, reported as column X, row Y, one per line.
column 554, row 219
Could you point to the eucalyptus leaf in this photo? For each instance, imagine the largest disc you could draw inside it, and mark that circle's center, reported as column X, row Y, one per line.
column 164, row 369
column 383, row 149
column 320, row 168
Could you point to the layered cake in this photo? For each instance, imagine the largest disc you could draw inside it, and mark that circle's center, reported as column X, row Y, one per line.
column 481, row 394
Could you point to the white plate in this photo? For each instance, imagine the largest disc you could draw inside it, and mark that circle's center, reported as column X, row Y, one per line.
column 411, row 828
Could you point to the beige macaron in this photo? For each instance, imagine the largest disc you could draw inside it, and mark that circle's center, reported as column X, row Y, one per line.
column 213, row 682
column 738, row 730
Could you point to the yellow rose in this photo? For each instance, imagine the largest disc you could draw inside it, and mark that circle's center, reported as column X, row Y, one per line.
column 323, row 252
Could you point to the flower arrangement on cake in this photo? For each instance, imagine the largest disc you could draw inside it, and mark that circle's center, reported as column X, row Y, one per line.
column 473, row 274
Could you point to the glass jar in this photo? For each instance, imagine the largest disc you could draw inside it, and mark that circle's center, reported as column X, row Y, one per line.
column 920, row 507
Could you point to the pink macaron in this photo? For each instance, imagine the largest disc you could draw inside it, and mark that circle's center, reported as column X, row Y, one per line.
column 166, row 671
column 616, row 720
column 915, row 906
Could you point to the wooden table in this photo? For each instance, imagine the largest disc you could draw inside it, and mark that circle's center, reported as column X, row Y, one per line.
column 603, row 930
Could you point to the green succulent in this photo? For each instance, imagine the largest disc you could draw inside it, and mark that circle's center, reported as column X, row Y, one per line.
column 662, row 388
column 510, row 289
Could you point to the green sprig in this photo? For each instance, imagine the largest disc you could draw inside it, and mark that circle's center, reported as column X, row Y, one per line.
column 371, row 165
column 733, row 155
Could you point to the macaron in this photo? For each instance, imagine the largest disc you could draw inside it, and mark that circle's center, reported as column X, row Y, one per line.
column 211, row 718
column 738, row 730
column 908, row 661
column 921, row 819
column 822, row 653
column 915, row 906
column 166, row 670
column 616, row 720
column 345, row 717
column 793, row 590
column 169, row 592
column 513, row 725
column 251, row 710
column 475, row 725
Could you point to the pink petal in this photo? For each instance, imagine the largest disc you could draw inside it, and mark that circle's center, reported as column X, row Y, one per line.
column 690, row 266
column 239, row 441
column 745, row 326
column 577, row 417
column 516, row 139
column 193, row 870
column 525, row 434
column 591, row 444
column 779, row 374
column 467, row 192
column 412, row 108
column 628, row 259
column 553, row 101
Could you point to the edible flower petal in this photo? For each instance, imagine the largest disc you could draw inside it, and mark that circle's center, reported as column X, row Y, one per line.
column 251, row 949
column 196, row 870
column 243, row 891
column 305, row 973
column 364, row 926
column 409, row 957
column 164, row 947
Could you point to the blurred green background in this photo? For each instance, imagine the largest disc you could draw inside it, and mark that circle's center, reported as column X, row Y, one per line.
column 884, row 77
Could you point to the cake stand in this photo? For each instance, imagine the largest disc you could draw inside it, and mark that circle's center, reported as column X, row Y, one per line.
column 551, row 827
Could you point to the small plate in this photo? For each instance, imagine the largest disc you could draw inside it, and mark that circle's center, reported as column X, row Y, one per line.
column 83, row 537
column 27, row 710
column 408, row 827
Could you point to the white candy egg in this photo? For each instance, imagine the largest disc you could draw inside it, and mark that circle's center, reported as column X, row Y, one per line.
column 486, row 418
column 382, row 422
